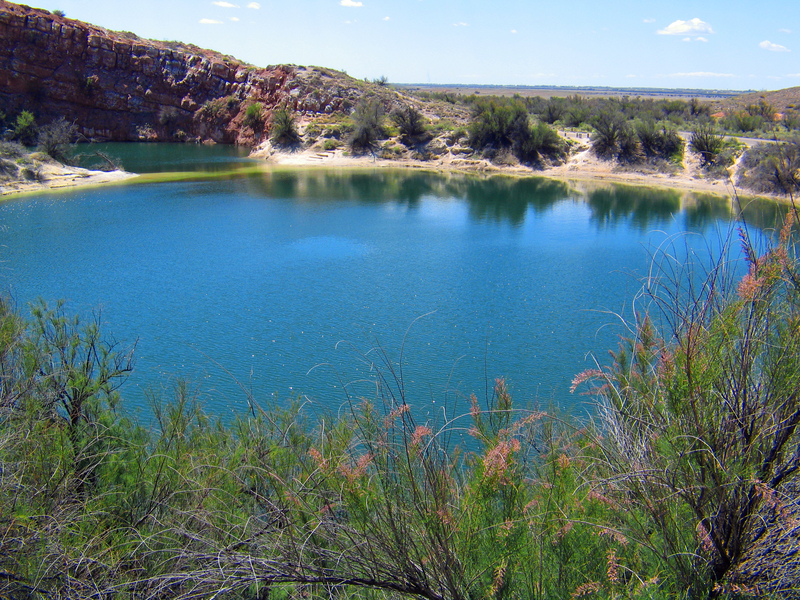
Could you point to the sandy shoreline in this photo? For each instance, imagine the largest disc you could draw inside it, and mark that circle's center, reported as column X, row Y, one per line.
column 582, row 167
column 54, row 176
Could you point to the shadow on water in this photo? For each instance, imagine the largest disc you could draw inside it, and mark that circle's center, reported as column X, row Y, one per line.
column 165, row 157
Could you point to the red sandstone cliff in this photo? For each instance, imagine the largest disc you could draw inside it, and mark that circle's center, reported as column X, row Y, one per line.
column 116, row 86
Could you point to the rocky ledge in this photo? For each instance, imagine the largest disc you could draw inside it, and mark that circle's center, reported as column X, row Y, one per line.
column 117, row 86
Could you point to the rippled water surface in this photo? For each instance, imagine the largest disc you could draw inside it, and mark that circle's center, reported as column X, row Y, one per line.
column 305, row 282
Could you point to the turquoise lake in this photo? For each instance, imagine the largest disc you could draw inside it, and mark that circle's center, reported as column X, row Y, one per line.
column 311, row 283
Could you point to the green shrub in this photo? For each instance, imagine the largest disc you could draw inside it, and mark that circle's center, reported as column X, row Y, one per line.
column 254, row 116
column 496, row 124
column 539, row 141
column 706, row 142
column 659, row 142
column 744, row 122
column 409, row 121
column 25, row 128
column 283, row 128
column 698, row 427
column 614, row 138
column 329, row 145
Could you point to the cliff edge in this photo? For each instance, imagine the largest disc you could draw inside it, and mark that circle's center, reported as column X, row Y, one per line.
column 116, row 86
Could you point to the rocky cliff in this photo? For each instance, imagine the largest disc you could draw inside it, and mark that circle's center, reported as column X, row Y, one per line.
column 116, row 86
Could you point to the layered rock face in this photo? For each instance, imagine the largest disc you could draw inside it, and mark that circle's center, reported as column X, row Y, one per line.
column 116, row 86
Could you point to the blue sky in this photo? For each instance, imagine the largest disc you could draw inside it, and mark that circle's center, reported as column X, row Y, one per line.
column 708, row 44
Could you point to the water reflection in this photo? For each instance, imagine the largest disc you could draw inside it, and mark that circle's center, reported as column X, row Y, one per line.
column 497, row 198
column 507, row 199
column 639, row 208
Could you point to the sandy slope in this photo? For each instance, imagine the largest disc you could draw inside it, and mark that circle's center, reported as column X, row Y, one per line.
column 582, row 166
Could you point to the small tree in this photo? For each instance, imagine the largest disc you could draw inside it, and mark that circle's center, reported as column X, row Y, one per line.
column 368, row 126
column 25, row 128
column 55, row 139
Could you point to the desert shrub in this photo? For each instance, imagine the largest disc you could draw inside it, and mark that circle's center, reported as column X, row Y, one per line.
column 329, row 145
column 553, row 110
column 56, row 140
column 698, row 108
column 791, row 119
column 539, row 141
column 706, row 142
column 367, row 125
column 25, row 128
column 496, row 124
column 59, row 13
column 772, row 168
column 409, row 121
column 577, row 112
column 12, row 150
column 254, row 116
column 744, row 122
column 283, row 128
column 698, row 425
column 614, row 138
column 763, row 109
column 167, row 115
column 659, row 142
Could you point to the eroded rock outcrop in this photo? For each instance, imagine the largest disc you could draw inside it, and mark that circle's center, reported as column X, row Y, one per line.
column 116, row 86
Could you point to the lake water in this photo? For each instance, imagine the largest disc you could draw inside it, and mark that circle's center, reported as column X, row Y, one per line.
column 313, row 282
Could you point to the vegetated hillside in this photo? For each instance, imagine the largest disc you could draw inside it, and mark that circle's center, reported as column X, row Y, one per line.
column 117, row 86
column 780, row 100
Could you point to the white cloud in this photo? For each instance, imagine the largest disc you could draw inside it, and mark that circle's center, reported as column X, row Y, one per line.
column 767, row 45
column 649, row 20
column 794, row 75
column 693, row 27
column 513, row 31
column 461, row 24
column 686, row 40
column 350, row 3
column 210, row 22
column 785, row 30
column 700, row 74
column 630, row 76
column 224, row 4
column 385, row 18
column 254, row 5
column 700, row 39
column 234, row 18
